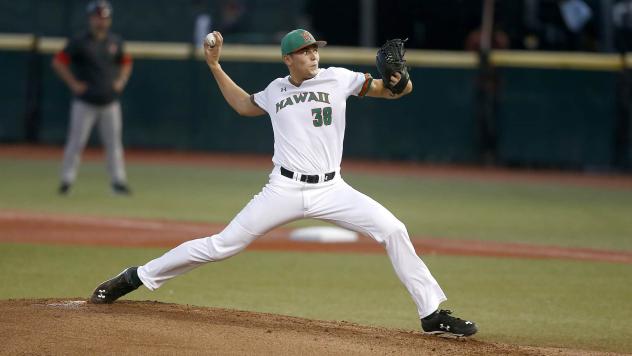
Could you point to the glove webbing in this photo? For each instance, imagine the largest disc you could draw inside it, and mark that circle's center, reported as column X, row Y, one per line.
column 393, row 51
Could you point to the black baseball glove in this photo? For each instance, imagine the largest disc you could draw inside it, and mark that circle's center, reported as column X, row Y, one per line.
column 390, row 59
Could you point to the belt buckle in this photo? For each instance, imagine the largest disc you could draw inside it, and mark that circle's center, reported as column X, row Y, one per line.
column 307, row 178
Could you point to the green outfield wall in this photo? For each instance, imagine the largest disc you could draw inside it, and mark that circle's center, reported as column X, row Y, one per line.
column 551, row 109
column 13, row 94
column 557, row 117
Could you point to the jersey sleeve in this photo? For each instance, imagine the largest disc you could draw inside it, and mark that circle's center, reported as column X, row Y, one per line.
column 261, row 99
column 69, row 51
column 123, row 56
column 265, row 99
column 366, row 84
column 353, row 83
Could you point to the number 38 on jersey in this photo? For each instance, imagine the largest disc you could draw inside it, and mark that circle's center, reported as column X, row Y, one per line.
column 322, row 116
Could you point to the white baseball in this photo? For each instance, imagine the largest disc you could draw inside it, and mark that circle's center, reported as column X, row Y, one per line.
column 210, row 40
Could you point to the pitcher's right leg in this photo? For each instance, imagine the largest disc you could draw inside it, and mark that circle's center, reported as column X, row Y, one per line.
column 191, row 254
column 279, row 202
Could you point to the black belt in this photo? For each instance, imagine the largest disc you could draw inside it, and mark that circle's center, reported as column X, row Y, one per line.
column 306, row 177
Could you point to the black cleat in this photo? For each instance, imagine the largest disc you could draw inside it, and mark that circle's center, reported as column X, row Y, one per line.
column 121, row 189
column 64, row 188
column 441, row 323
column 111, row 290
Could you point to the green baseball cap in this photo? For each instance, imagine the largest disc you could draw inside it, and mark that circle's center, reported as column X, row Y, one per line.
column 298, row 39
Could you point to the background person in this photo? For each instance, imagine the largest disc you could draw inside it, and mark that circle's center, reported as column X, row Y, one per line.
column 95, row 67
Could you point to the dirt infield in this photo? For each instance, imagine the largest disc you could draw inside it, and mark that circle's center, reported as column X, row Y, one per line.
column 73, row 327
column 29, row 227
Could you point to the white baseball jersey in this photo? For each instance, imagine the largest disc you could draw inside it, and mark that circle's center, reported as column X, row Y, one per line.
column 309, row 126
column 309, row 120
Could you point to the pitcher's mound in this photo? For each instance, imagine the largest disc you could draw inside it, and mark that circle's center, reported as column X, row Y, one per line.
column 72, row 326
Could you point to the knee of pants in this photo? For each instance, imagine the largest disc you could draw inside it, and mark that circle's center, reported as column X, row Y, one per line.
column 395, row 230
column 385, row 228
column 399, row 228
column 232, row 240
column 393, row 227
column 218, row 250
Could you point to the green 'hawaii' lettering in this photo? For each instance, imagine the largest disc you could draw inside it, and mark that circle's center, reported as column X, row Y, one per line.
column 300, row 98
column 283, row 103
column 306, row 96
column 312, row 96
column 323, row 97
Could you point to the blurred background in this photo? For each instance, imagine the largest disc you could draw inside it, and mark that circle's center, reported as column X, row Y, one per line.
column 520, row 83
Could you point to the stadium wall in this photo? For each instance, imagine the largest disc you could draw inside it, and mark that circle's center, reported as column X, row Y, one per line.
column 552, row 109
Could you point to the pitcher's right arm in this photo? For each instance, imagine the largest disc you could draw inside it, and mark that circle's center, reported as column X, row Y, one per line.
column 235, row 96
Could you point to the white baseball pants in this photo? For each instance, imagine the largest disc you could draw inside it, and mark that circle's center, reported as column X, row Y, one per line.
column 83, row 117
column 284, row 200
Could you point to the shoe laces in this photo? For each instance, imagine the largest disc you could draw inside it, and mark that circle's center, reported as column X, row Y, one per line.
column 448, row 313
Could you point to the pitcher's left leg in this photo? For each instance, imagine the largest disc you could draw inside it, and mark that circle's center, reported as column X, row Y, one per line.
column 351, row 209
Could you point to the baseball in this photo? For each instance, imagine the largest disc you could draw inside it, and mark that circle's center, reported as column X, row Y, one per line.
column 210, row 40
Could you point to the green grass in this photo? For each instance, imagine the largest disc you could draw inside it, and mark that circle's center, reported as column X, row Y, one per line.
column 447, row 208
column 530, row 302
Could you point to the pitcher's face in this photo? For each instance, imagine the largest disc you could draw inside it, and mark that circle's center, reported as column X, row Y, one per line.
column 304, row 62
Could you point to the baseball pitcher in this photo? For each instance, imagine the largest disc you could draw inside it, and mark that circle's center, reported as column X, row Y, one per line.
column 307, row 110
